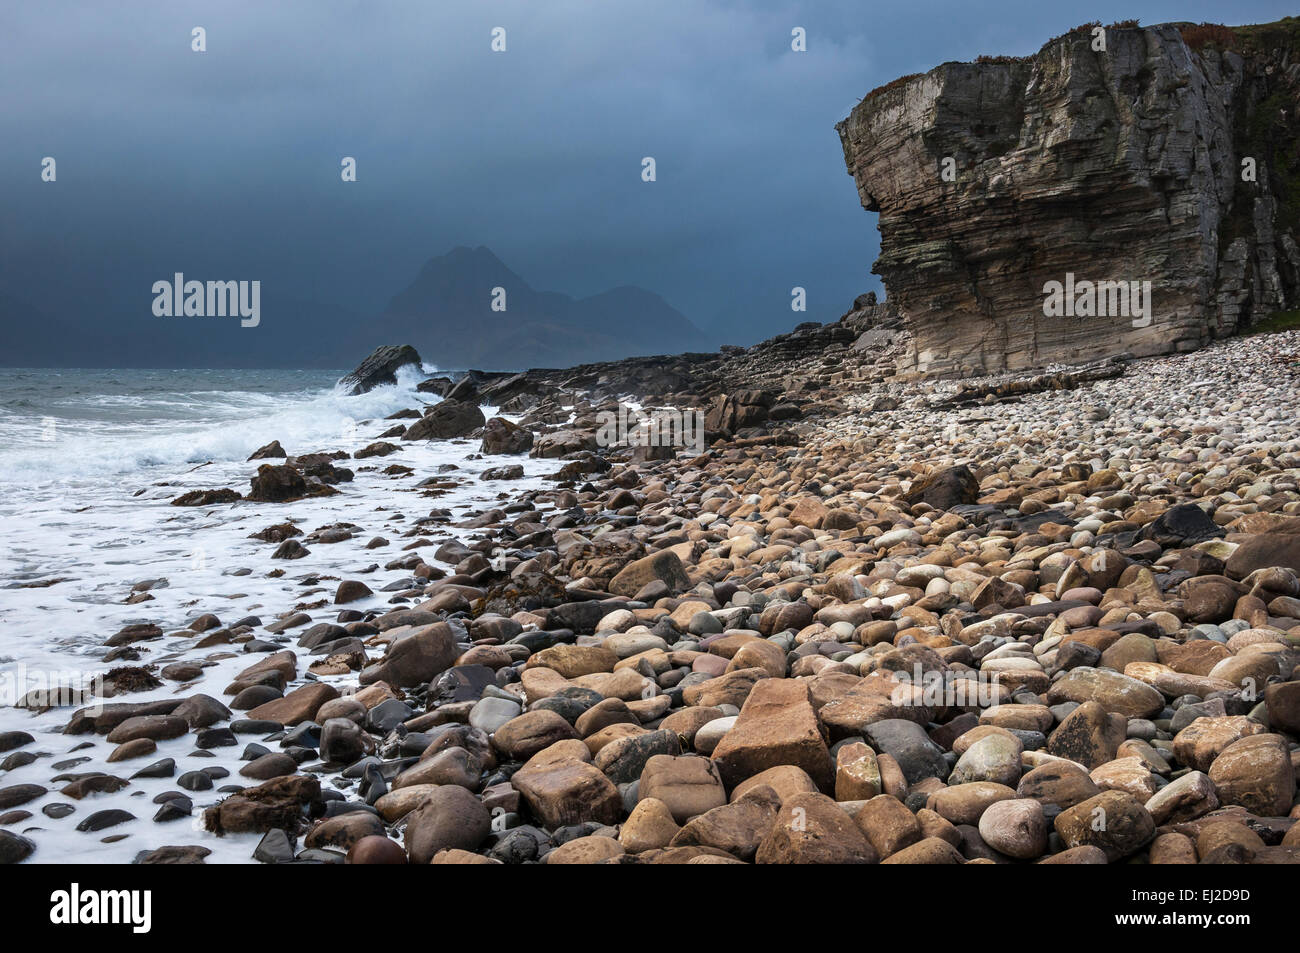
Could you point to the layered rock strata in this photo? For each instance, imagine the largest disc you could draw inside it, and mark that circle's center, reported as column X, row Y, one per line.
column 1078, row 165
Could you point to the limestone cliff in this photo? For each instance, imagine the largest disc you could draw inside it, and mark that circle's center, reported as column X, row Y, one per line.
column 1117, row 165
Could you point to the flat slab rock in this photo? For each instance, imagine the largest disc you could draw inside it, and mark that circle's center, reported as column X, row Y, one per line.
column 776, row 726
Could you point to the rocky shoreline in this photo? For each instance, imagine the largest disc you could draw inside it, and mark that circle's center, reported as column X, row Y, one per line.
column 1051, row 619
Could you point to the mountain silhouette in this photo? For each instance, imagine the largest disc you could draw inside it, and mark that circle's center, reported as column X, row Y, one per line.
column 447, row 313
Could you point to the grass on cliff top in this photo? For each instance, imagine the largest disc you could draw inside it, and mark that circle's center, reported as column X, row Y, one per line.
column 1250, row 38
column 1275, row 322
column 892, row 84
column 1281, row 34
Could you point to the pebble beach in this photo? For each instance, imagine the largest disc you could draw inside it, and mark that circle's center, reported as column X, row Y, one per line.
column 906, row 621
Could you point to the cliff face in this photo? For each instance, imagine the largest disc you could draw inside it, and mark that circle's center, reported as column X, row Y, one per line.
column 1075, row 165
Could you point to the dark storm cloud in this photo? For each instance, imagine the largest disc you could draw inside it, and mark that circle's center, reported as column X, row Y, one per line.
column 225, row 164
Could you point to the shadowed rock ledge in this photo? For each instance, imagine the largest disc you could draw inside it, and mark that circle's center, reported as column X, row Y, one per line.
column 1116, row 165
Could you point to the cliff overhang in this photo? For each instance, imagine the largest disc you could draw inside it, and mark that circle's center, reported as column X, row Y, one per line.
column 1169, row 156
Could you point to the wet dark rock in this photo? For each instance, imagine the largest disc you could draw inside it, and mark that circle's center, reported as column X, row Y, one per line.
column 415, row 658
column 462, row 683
column 253, row 696
column 102, row 820
column 1182, row 525
column 96, row 784
column 342, row 741
column 274, row 765
column 178, row 854
column 380, row 448
column 275, row 847
column 254, row 726
column 290, row 549
column 305, row 734
column 350, row 590
column 387, row 715
column 270, row 451
column 908, row 744
column 379, row 367
column 446, row 420
column 500, row 436
column 201, row 711
column 17, row 760
column 14, row 847
column 206, row 497
column 280, row 803
column 164, row 768
column 173, row 809
column 281, row 483
column 215, row 738
column 135, row 632
column 17, row 794
column 195, row 781
column 9, row 740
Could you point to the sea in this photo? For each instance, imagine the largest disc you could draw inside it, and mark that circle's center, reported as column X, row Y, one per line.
column 89, row 463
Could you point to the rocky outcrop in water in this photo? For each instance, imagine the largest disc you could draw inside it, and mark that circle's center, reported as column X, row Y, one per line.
column 380, row 368
column 1082, row 165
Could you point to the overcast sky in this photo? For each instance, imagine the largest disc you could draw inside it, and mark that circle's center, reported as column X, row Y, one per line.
column 225, row 164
